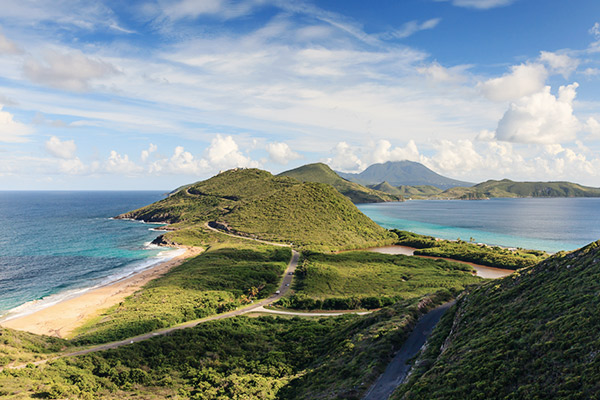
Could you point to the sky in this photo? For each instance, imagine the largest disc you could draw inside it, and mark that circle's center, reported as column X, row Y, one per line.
column 154, row 94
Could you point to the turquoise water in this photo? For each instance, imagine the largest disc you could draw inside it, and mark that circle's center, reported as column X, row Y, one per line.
column 545, row 224
column 55, row 245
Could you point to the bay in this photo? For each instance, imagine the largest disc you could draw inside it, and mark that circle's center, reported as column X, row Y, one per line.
column 550, row 224
column 57, row 244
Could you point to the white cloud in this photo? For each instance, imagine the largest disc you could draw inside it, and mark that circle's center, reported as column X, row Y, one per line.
column 559, row 63
column 481, row 4
column 61, row 149
column 8, row 47
column 541, row 118
column 592, row 126
column 591, row 71
column 412, row 27
column 595, row 30
column 383, row 152
column 223, row 153
column 523, row 80
column 146, row 153
column 457, row 155
column 69, row 71
column 121, row 164
column 344, row 159
column 281, row 153
column 181, row 162
column 438, row 73
column 12, row 131
column 72, row 166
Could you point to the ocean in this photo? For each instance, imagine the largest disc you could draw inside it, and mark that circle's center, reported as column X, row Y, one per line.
column 550, row 224
column 56, row 245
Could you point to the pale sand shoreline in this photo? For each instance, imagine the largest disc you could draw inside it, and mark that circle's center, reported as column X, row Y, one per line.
column 63, row 318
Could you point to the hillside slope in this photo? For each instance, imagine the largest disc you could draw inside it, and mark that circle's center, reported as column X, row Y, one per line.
column 508, row 188
column 254, row 203
column 531, row 335
column 398, row 173
column 321, row 173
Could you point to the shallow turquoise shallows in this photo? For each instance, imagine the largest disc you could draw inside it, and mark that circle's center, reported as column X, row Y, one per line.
column 550, row 224
column 58, row 244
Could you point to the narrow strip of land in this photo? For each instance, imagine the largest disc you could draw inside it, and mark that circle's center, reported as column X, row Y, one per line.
column 398, row 368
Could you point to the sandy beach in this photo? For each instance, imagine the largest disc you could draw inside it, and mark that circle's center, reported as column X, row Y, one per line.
column 63, row 318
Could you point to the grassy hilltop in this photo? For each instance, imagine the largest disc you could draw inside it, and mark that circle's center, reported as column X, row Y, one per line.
column 254, row 203
column 531, row 335
column 358, row 193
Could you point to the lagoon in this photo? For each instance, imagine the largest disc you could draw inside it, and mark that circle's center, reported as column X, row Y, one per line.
column 550, row 224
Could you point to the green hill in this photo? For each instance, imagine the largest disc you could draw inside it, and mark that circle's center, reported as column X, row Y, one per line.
column 386, row 188
column 532, row 335
column 321, row 173
column 254, row 203
column 508, row 188
column 419, row 191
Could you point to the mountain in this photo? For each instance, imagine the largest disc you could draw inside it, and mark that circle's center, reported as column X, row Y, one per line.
column 321, row 173
column 398, row 173
column 508, row 188
column 533, row 334
column 254, row 203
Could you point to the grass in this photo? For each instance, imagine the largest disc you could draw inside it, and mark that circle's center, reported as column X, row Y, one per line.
column 532, row 335
column 221, row 279
column 23, row 347
column 361, row 279
column 254, row 203
column 464, row 251
column 237, row 358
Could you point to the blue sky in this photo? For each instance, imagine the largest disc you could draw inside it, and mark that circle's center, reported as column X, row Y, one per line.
column 155, row 94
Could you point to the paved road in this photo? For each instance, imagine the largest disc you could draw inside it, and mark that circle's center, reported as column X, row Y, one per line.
column 283, row 288
column 397, row 369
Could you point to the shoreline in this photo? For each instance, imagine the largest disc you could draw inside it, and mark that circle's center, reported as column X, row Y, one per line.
column 62, row 318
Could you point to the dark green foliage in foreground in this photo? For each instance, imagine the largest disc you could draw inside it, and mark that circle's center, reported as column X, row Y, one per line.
column 254, row 203
column 357, row 193
column 471, row 252
column 368, row 280
column 218, row 280
column 21, row 347
column 237, row 358
column 532, row 335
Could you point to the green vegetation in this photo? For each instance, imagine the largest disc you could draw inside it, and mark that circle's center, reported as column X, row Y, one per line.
column 254, row 203
column 419, row 191
column 508, row 188
column 357, row 193
column 368, row 280
column 22, row 347
column 532, row 335
column 237, row 358
column 464, row 251
column 219, row 280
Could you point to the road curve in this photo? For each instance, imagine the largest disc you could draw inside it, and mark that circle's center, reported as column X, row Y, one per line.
column 283, row 288
column 398, row 368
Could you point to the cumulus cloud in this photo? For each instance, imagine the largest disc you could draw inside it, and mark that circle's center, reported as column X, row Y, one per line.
column 383, row 152
column 121, row 164
column 559, row 63
column 72, row 166
column 541, row 118
column 181, row 162
column 61, row 149
column 281, row 153
column 8, row 47
column 595, row 30
column 344, row 159
column 412, row 27
column 455, row 156
column 592, row 126
column 69, row 71
column 146, row 153
column 223, row 153
column 523, row 80
column 12, row 131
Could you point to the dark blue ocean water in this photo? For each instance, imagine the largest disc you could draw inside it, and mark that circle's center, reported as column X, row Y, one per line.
column 552, row 224
column 56, row 244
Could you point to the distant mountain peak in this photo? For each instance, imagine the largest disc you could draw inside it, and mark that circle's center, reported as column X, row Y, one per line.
column 398, row 173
